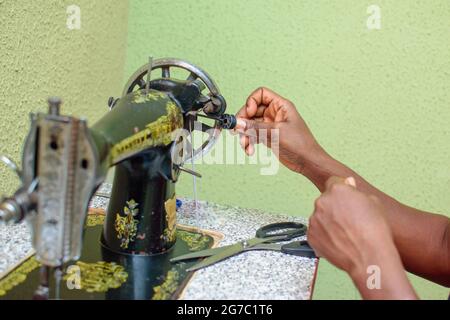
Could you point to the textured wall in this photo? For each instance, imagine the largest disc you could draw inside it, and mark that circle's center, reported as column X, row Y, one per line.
column 40, row 56
column 376, row 99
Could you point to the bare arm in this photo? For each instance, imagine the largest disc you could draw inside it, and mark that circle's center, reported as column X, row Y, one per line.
column 348, row 228
column 422, row 238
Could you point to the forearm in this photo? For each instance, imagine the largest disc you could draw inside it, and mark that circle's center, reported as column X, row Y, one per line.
column 422, row 239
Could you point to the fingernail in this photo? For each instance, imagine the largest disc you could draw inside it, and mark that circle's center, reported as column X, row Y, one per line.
column 350, row 181
column 251, row 150
column 240, row 124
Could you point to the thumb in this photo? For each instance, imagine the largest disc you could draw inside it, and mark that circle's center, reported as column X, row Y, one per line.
column 350, row 181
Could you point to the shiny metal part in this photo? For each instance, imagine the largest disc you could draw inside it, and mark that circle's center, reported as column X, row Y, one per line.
column 60, row 153
column 149, row 71
column 54, row 106
column 9, row 212
column 166, row 64
column 15, row 208
column 194, row 173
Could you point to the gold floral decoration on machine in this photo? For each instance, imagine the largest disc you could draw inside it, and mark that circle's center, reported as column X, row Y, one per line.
column 159, row 132
column 99, row 276
column 195, row 241
column 18, row 275
column 126, row 226
column 168, row 287
column 171, row 218
column 95, row 220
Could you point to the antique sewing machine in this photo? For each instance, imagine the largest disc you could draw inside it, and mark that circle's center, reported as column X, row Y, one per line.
column 147, row 137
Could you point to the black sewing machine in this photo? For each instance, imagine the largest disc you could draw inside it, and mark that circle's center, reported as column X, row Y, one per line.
column 147, row 137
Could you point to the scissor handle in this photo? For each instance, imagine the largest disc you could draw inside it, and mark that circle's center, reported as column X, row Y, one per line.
column 293, row 230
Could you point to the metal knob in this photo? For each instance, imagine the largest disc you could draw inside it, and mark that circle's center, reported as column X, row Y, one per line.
column 228, row 121
column 15, row 208
column 10, row 212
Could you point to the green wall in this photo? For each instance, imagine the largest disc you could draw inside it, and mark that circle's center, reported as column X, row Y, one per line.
column 40, row 57
column 378, row 100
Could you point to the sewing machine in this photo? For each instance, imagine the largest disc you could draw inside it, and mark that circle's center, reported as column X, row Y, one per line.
column 146, row 136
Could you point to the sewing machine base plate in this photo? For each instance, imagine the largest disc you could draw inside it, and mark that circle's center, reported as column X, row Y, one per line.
column 103, row 275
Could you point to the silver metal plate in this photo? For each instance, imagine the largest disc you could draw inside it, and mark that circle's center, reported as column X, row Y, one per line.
column 59, row 152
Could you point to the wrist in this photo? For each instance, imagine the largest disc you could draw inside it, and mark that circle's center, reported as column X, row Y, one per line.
column 318, row 166
column 372, row 251
column 379, row 274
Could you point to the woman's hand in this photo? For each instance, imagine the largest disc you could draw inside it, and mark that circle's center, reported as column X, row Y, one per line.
column 276, row 122
column 346, row 225
column 349, row 229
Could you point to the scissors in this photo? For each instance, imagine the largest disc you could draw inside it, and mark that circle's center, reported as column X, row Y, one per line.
column 266, row 238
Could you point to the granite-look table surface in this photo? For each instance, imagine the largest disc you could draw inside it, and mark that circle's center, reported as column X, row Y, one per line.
column 250, row 275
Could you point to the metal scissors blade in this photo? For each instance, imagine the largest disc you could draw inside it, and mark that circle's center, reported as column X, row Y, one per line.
column 281, row 231
column 296, row 248
column 199, row 254
column 232, row 250
column 214, row 251
column 221, row 255
column 265, row 246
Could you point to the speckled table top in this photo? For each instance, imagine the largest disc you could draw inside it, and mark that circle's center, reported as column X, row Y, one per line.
column 250, row 275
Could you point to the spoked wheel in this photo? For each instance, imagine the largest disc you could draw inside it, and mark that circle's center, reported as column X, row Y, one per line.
column 169, row 68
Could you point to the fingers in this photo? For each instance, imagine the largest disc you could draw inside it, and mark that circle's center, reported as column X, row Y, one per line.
column 246, row 145
column 246, row 124
column 240, row 124
column 261, row 96
column 242, row 113
column 311, row 237
column 257, row 103
column 253, row 117
column 247, row 139
column 250, row 133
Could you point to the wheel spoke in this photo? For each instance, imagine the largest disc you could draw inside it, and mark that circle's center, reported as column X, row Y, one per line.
column 141, row 83
column 165, row 72
column 192, row 77
column 188, row 148
column 205, row 127
column 188, row 151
